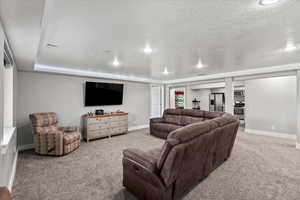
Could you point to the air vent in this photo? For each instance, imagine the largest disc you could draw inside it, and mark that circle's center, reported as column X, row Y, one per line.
column 8, row 59
column 51, row 45
column 107, row 51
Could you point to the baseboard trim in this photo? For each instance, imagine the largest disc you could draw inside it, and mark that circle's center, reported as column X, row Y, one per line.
column 13, row 173
column 26, row 147
column 271, row 134
column 135, row 128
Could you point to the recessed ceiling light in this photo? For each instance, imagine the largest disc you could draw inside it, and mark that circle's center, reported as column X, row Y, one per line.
column 200, row 64
column 116, row 63
column 290, row 47
column 267, row 2
column 147, row 49
column 165, row 72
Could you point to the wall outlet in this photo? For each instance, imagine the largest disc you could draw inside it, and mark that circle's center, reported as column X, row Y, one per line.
column 273, row 127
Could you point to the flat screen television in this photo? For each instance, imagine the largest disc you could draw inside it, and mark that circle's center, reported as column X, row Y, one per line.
column 100, row 94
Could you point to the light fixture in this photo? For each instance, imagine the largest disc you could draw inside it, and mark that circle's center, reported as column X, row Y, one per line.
column 147, row 49
column 267, row 2
column 200, row 64
column 165, row 72
column 290, row 47
column 116, row 63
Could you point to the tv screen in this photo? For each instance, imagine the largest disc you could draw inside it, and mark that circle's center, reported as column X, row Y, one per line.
column 100, row 94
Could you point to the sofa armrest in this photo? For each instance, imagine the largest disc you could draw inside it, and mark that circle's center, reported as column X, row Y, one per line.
column 140, row 165
column 142, row 158
column 157, row 120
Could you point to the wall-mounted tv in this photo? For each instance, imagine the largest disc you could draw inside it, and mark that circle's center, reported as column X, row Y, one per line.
column 100, row 94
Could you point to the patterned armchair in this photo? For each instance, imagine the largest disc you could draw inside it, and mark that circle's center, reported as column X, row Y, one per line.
column 50, row 139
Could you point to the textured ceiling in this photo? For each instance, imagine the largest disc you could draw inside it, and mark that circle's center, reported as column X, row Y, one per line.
column 226, row 35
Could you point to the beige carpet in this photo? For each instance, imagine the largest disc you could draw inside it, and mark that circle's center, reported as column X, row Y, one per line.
column 260, row 168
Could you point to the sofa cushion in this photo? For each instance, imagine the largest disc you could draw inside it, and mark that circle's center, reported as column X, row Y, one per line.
column 186, row 120
column 173, row 119
column 212, row 115
column 71, row 137
column 191, row 131
column 225, row 119
column 155, row 153
column 193, row 113
column 168, row 145
column 171, row 111
column 165, row 127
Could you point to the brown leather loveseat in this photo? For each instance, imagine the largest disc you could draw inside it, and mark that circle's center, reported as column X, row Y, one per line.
column 188, row 155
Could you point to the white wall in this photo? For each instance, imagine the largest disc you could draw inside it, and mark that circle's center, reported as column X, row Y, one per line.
column 44, row 92
column 202, row 95
column 218, row 90
column 271, row 104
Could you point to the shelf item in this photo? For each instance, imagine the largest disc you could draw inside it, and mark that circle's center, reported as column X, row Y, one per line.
column 106, row 125
column 179, row 99
column 196, row 104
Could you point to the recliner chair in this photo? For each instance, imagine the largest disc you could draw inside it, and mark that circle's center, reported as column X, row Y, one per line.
column 50, row 139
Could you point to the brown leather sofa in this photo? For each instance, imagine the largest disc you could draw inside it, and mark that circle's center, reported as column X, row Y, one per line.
column 201, row 142
column 176, row 118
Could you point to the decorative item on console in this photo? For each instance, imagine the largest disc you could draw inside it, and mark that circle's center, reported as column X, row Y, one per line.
column 99, row 112
column 90, row 114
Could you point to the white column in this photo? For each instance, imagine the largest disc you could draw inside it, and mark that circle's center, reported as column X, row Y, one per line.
column 162, row 99
column 298, row 110
column 229, row 95
column 167, row 96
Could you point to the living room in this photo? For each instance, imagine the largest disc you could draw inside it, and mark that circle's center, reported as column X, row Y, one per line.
column 149, row 99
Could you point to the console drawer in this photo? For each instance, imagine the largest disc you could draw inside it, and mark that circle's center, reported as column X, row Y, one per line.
column 99, row 127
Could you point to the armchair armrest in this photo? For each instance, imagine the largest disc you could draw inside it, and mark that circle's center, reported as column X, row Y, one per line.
column 157, row 120
column 67, row 129
column 55, row 142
